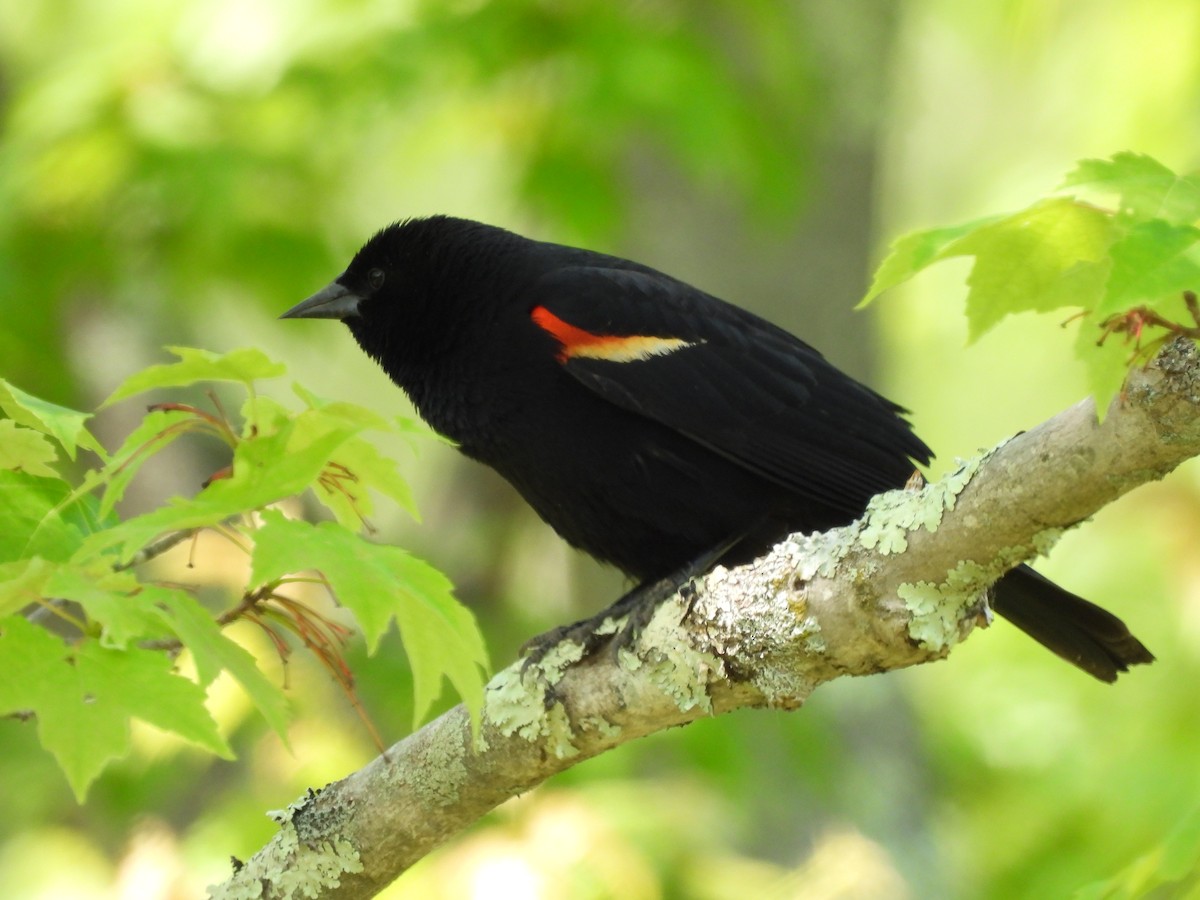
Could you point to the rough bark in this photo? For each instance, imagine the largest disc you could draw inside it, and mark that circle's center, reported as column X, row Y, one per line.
column 899, row 587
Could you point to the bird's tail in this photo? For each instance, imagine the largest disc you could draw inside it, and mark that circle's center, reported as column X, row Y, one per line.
column 1080, row 632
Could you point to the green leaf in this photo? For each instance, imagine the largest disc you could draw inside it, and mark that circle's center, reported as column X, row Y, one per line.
column 25, row 450
column 64, row 425
column 913, row 252
column 1051, row 255
column 263, row 416
column 245, row 365
column 348, row 413
column 158, row 429
column 1153, row 262
column 37, row 520
column 353, row 469
column 213, row 651
column 111, row 599
column 1147, row 188
column 377, row 583
column 266, row 469
column 356, row 467
column 84, row 697
column 130, row 611
column 22, row 582
column 269, row 467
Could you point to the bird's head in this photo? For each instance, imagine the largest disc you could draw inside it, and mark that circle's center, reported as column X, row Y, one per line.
column 414, row 286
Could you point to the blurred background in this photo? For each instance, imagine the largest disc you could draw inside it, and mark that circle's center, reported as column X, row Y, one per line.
column 181, row 172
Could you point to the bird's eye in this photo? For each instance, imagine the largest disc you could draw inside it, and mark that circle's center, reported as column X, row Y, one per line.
column 375, row 279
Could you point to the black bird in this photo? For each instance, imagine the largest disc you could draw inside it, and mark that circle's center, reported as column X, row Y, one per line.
column 652, row 425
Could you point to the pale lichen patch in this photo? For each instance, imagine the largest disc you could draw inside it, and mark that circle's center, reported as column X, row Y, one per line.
column 762, row 617
column 512, row 707
column 938, row 610
column 601, row 726
column 814, row 643
column 675, row 667
column 817, row 554
column 934, row 623
column 515, row 702
column 437, row 780
column 885, row 524
column 559, row 733
column 890, row 517
column 296, row 869
column 1044, row 540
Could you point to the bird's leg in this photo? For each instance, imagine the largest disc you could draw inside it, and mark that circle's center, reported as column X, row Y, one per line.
column 630, row 613
column 624, row 620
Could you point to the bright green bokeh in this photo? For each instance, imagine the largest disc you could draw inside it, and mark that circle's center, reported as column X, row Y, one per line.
column 179, row 173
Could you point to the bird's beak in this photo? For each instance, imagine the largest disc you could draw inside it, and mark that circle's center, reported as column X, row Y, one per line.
column 333, row 302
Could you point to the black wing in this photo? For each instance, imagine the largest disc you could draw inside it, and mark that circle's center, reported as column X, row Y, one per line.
column 729, row 380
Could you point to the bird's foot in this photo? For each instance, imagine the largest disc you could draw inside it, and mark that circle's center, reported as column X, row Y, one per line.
column 622, row 624
column 618, row 627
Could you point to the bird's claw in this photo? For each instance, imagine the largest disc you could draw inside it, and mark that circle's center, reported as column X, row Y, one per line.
column 618, row 628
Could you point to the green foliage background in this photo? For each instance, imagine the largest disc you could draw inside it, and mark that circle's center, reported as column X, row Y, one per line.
column 179, row 173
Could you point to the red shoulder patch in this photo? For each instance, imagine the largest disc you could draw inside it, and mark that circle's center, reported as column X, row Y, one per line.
column 577, row 342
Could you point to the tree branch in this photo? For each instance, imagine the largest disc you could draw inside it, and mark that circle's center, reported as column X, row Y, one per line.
column 900, row 586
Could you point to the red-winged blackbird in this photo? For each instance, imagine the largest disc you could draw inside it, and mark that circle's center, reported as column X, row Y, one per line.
column 650, row 424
